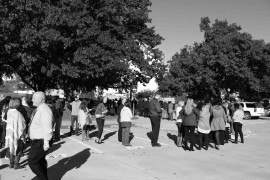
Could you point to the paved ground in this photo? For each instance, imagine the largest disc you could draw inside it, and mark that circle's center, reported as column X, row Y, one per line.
column 72, row 158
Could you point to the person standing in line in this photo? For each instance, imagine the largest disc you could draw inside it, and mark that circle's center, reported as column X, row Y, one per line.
column 118, row 119
column 29, row 111
column 3, row 110
column 179, row 123
column 84, row 120
column 238, row 117
column 165, row 110
column 100, row 118
column 228, row 120
column 204, row 126
column 189, row 115
column 40, row 132
column 125, row 120
column 59, row 108
column 155, row 113
column 75, row 106
column 15, row 133
column 218, row 121
column 170, row 111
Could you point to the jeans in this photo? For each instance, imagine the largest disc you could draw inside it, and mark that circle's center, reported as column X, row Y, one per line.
column 100, row 123
column 58, row 124
column 125, row 132
column 155, row 123
column 119, row 132
column 3, row 135
column 219, row 136
column 74, row 119
column 189, row 130
column 238, row 129
column 203, row 137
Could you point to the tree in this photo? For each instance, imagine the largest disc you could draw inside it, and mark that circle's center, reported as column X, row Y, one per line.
column 226, row 59
column 78, row 44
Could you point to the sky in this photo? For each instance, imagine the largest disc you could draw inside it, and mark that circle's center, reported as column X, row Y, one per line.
column 178, row 20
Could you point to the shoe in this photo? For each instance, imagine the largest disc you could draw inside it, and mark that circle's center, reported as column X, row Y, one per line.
column 191, row 149
column 11, row 166
column 206, row 148
column 128, row 145
column 156, row 145
column 235, row 142
column 242, row 142
column 217, row 147
column 17, row 166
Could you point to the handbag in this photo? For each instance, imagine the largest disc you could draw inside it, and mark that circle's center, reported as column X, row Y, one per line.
column 100, row 115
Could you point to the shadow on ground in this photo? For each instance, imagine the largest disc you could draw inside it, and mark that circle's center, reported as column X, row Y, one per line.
column 57, row 171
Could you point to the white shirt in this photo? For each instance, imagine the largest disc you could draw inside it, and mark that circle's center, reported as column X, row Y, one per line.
column 125, row 114
column 41, row 123
column 75, row 107
column 177, row 111
column 238, row 116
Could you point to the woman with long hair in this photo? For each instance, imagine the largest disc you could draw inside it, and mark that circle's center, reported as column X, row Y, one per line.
column 189, row 115
column 15, row 135
column 218, row 120
column 84, row 120
column 100, row 118
column 204, row 126
column 179, row 123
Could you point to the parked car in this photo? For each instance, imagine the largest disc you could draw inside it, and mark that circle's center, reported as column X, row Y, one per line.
column 252, row 109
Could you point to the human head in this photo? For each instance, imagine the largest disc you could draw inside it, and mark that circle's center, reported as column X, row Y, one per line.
column 217, row 101
column 157, row 96
column 77, row 98
column 225, row 104
column 14, row 103
column 189, row 106
column 105, row 99
column 205, row 108
column 236, row 106
column 181, row 103
column 124, row 100
column 24, row 101
column 38, row 98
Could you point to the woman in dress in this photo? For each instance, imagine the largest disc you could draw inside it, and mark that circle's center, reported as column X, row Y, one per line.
column 15, row 133
column 84, row 120
column 218, row 121
column 100, row 118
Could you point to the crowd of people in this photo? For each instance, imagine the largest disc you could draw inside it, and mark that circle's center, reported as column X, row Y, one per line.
column 33, row 120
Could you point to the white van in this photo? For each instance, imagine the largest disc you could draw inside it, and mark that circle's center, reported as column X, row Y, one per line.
column 252, row 109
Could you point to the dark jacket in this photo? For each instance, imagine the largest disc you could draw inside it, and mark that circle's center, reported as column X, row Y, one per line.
column 154, row 108
column 191, row 119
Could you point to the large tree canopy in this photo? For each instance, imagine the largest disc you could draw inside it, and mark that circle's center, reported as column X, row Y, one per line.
column 78, row 43
column 226, row 59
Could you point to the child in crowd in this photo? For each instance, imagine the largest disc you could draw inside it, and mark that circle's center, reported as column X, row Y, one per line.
column 84, row 120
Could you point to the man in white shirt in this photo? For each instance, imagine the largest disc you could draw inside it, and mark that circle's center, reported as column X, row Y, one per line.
column 40, row 132
column 75, row 106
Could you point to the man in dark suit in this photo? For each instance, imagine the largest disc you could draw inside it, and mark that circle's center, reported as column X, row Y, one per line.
column 155, row 112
